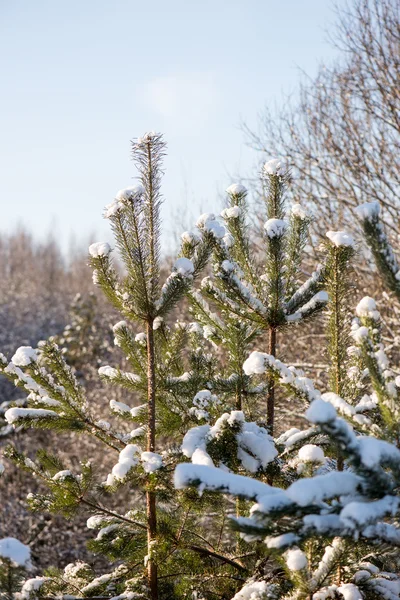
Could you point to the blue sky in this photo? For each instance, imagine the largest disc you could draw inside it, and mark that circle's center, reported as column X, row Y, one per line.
column 80, row 78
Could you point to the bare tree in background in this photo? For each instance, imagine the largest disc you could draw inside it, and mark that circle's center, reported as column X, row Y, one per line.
column 342, row 135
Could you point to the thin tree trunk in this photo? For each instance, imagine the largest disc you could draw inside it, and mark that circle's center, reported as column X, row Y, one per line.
column 151, row 444
column 271, row 383
column 337, row 366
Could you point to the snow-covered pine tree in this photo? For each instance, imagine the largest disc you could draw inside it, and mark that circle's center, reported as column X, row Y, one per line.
column 235, row 440
column 378, row 241
column 310, row 525
column 257, row 295
column 57, row 400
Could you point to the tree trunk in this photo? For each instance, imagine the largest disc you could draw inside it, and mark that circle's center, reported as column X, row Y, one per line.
column 271, row 383
column 151, row 443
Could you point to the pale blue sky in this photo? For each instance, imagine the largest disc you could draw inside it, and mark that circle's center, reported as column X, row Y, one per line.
column 80, row 78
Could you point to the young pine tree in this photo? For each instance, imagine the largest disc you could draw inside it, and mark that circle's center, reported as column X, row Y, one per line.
column 58, row 401
column 333, row 525
column 257, row 295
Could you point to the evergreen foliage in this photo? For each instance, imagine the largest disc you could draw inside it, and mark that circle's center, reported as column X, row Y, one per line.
column 192, row 406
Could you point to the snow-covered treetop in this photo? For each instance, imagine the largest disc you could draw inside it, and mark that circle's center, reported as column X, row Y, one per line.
column 275, row 227
column 368, row 210
column 340, row 238
column 299, row 211
column 99, row 249
column 275, row 167
column 367, row 308
column 236, row 189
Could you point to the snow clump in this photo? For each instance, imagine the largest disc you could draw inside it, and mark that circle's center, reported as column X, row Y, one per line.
column 368, row 210
column 24, row 356
column 275, row 167
column 367, row 308
column 184, row 267
column 99, row 249
column 233, row 212
column 236, row 189
column 298, row 211
column 340, row 238
column 275, row 228
column 296, row 560
column 311, row 453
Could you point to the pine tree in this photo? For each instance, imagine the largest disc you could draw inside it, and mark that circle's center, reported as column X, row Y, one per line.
column 258, row 297
column 333, row 525
column 58, row 401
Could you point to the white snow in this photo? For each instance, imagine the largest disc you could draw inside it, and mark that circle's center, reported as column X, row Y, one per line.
column 296, row 560
column 119, row 325
column 298, row 211
column 95, row 521
column 233, row 212
column 30, row 586
column 212, row 478
column 313, row 490
column 320, row 411
column 128, row 458
column 340, row 238
column 203, row 400
column 195, row 438
column 367, row 308
column 24, row 356
column 16, row 552
column 158, row 321
column 141, row 337
column 275, row 228
column 374, row 451
column 341, row 405
column 121, row 199
column 359, row 334
column 208, row 222
column 368, row 210
column 61, row 475
column 255, row 447
column 216, row 229
column 360, row 514
column 119, row 407
column 235, row 189
column 204, row 219
column 317, row 300
column 151, row 461
column 279, row 541
column 350, row 591
column 184, row 267
column 275, row 167
column 99, row 249
column 14, row 414
column 190, row 237
column 108, row 371
column 311, row 453
column 252, row 591
column 130, row 193
column 255, row 363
